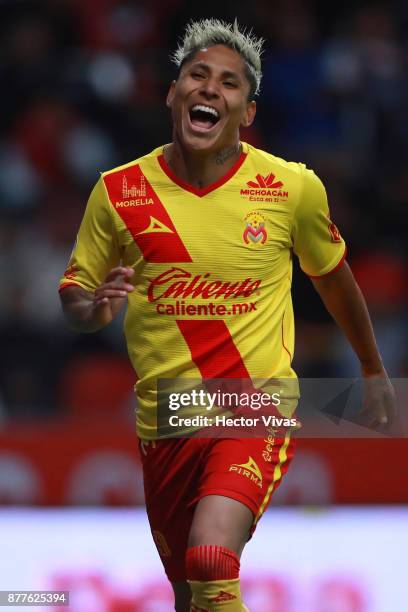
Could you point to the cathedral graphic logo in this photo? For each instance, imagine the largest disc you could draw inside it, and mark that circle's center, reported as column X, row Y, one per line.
column 133, row 191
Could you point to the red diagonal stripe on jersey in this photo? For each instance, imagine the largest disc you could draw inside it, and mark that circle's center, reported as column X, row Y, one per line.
column 212, row 349
column 216, row 356
column 156, row 246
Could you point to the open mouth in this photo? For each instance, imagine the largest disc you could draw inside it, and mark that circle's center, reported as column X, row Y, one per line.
column 203, row 117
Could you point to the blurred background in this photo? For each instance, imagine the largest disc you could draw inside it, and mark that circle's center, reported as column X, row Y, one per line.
column 84, row 83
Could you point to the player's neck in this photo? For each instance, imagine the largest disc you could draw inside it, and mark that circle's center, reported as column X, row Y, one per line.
column 201, row 169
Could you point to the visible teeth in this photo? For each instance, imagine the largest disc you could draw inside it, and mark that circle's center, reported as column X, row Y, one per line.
column 206, row 109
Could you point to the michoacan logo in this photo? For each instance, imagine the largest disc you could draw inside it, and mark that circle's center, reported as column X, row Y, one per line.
column 266, row 182
column 265, row 189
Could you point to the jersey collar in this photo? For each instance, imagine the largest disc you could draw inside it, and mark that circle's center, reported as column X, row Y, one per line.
column 205, row 190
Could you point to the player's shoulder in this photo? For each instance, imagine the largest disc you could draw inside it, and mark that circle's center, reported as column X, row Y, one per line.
column 285, row 181
column 298, row 171
column 149, row 158
column 264, row 157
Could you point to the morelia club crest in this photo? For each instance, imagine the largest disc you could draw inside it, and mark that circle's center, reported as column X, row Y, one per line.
column 334, row 232
column 255, row 232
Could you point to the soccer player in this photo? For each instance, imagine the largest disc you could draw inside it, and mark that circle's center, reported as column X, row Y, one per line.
column 197, row 236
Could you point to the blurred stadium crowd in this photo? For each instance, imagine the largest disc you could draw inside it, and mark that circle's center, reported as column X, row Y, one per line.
column 83, row 85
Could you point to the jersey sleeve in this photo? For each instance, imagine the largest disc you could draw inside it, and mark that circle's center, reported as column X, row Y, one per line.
column 96, row 250
column 316, row 240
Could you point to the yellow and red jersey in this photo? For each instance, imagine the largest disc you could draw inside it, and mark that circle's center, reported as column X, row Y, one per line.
column 213, row 266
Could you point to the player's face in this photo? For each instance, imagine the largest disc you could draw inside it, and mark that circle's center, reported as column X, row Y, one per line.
column 209, row 100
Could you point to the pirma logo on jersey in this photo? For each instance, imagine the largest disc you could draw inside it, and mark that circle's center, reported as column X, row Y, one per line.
column 265, row 189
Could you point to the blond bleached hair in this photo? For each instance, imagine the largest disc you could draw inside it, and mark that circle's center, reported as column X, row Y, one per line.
column 209, row 32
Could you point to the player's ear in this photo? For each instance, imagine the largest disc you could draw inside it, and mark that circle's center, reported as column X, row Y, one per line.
column 170, row 95
column 249, row 115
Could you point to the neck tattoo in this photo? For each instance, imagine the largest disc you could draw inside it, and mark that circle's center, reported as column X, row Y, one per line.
column 222, row 156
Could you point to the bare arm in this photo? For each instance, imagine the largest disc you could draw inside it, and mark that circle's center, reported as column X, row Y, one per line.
column 89, row 312
column 344, row 301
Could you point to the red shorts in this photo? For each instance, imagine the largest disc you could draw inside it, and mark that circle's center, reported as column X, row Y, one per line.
column 179, row 472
